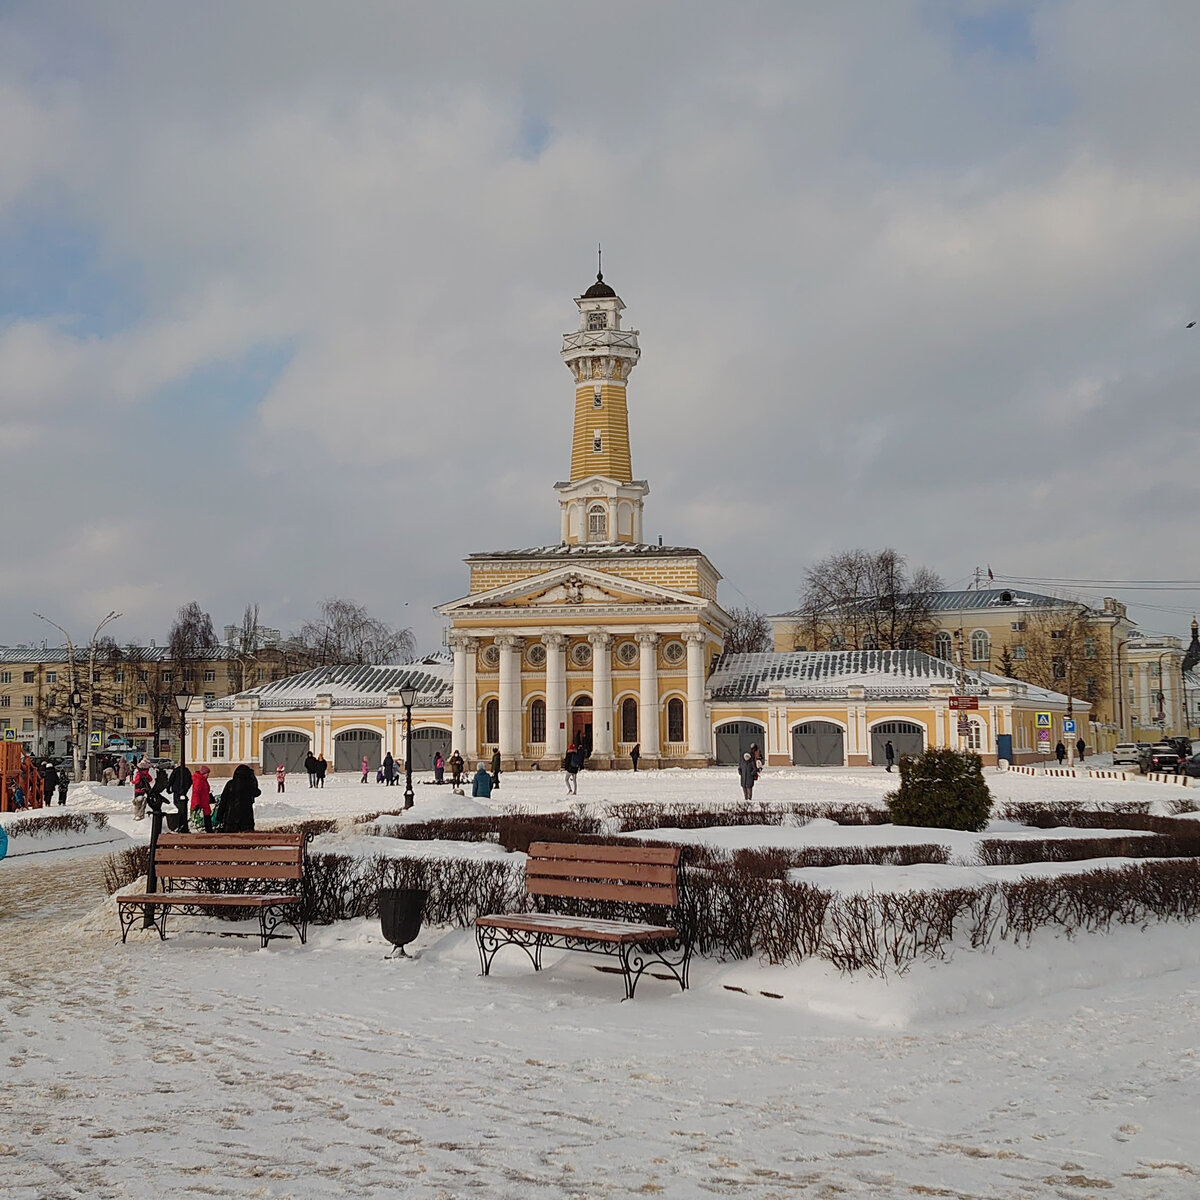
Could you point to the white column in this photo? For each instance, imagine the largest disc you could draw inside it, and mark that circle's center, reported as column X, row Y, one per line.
column 556, row 694
column 602, row 697
column 510, row 696
column 648, row 694
column 471, row 737
column 458, row 721
column 697, row 726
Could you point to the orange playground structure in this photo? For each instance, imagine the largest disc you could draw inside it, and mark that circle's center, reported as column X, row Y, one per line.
column 17, row 767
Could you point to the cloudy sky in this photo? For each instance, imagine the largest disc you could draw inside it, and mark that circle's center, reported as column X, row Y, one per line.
column 282, row 287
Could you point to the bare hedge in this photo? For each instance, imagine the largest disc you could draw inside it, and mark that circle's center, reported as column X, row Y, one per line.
column 66, row 822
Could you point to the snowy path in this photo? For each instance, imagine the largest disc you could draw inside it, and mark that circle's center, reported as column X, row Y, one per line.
column 208, row 1067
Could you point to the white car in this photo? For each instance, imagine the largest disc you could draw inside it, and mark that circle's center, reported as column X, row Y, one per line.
column 1125, row 754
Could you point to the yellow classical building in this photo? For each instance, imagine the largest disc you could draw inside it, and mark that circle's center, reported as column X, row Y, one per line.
column 610, row 644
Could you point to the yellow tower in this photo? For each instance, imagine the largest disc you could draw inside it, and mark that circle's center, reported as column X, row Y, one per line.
column 601, row 502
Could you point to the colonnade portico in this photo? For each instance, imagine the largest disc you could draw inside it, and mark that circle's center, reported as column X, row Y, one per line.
column 512, row 679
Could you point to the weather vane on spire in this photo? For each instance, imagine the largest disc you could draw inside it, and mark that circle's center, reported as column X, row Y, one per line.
column 599, row 263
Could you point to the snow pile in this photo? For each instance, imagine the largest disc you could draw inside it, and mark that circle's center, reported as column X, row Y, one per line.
column 32, row 832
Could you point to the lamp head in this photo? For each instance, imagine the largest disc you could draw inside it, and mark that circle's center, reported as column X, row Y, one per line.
column 408, row 696
column 182, row 699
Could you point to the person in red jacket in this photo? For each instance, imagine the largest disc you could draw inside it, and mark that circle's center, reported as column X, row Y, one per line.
column 201, row 799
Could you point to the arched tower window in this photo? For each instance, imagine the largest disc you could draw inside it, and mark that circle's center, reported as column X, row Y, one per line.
column 537, row 721
column 491, row 721
column 981, row 646
column 629, row 720
column 674, row 719
column 217, row 745
column 597, row 523
column 942, row 644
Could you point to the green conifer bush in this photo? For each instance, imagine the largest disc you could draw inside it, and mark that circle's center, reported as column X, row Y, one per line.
column 941, row 789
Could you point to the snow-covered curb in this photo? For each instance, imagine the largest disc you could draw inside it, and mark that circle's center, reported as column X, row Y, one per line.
column 28, row 833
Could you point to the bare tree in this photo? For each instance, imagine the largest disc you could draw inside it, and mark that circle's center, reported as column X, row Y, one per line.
column 345, row 633
column 1066, row 651
column 750, row 632
column 867, row 600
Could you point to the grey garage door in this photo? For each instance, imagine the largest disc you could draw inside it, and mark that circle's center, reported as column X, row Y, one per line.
column 905, row 736
column 291, row 749
column 426, row 742
column 352, row 746
column 734, row 738
column 818, row 744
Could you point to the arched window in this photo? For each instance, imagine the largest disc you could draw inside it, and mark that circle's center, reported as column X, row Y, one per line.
column 675, row 720
column 597, row 523
column 981, row 646
column 217, row 744
column 537, row 721
column 975, row 736
column 943, row 645
column 491, row 721
column 629, row 722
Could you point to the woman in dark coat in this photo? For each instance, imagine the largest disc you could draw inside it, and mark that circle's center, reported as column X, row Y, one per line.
column 1060, row 752
column 747, row 774
column 235, row 809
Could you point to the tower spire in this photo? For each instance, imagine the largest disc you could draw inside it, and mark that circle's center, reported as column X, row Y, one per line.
column 599, row 264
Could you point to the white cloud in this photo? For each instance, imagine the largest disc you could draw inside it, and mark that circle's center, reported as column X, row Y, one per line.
column 888, row 294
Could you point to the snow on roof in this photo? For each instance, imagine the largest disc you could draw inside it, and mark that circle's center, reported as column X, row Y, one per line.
column 58, row 654
column 969, row 598
column 352, row 686
column 591, row 549
column 802, row 673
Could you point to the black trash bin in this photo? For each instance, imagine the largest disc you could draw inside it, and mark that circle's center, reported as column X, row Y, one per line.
column 400, row 913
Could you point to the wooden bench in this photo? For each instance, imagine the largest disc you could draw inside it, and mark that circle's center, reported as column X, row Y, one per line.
column 181, row 858
column 594, row 878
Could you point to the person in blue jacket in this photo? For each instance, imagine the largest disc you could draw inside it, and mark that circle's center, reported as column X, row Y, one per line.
column 481, row 785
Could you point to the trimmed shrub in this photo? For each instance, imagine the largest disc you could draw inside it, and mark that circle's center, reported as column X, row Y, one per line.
column 941, row 789
column 68, row 822
column 630, row 817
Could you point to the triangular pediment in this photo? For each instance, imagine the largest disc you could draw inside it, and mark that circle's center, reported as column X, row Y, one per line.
column 572, row 588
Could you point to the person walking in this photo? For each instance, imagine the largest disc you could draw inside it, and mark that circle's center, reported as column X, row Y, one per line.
column 62, row 787
column 122, row 770
column 49, row 783
column 179, row 784
column 366, row 768
column 571, row 767
column 310, row 765
column 235, row 809
column 889, row 752
column 322, row 767
column 439, row 768
column 201, row 801
column 280, row 777
column 635, row 754
column 481, row 785
column 1080, row 747
column 747, row 773
column 456, row 769
column 389, row 769
column 143, row 782
column 496, row 767
column 1060, row 752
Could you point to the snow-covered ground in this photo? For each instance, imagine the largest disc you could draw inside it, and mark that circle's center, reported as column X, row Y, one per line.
column 207, row 1066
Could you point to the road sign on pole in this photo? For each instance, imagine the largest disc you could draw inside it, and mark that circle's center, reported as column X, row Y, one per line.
column 964, row 702
column 94, row 739
column 1043, row 720
column 1068, row 724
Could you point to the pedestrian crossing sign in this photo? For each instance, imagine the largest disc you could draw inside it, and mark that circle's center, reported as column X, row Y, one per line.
column 94, row 740
column 10, row 735
column 1041, row 720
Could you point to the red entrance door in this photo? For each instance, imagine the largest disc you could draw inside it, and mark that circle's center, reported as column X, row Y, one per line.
column 581, row 728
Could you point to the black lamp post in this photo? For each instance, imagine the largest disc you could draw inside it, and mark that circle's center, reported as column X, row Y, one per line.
column 182, row 699
column 408, row 696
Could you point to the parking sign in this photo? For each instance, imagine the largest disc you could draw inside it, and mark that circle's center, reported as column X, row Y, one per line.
column 1068, row 724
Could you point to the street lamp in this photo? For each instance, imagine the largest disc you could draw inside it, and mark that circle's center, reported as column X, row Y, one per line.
column 1162, row 698
column 183, row 698
column 408, row 696
column 75, row 700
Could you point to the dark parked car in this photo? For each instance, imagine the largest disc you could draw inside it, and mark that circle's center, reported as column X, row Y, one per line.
column 1191, row 766
column 1159, row 757
column 1182, row 745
